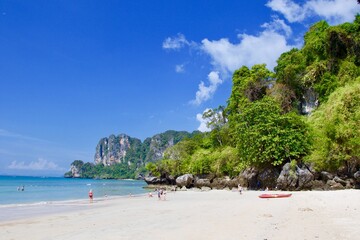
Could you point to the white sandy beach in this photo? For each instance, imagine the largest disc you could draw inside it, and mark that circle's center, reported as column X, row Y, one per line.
column 217, row 214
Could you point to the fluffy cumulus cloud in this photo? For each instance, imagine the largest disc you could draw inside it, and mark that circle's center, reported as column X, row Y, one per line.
column 203, row 123
column 265, row 47
column 206, row 92
column 40, row 164
column 334, row 11
column 292, row 11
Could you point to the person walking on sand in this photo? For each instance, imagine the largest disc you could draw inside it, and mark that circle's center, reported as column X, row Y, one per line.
column 240, row 188
column 91, row 195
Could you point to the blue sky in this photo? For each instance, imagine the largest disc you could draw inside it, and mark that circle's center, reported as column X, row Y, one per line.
column 72, row 72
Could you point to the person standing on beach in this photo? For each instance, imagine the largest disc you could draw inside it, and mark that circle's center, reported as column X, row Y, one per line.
column 158, row 193
column 91, row 195
column 240, row 188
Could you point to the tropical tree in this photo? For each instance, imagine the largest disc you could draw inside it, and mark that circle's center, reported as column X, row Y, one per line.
column 265, row 136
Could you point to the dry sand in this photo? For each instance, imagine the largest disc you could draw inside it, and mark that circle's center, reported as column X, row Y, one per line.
column 187, row 215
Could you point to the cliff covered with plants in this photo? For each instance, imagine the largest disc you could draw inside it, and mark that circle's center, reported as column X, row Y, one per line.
column 304, row 115
column 123, row 156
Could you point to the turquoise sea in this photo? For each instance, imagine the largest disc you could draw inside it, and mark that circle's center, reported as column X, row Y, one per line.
column 48, row 189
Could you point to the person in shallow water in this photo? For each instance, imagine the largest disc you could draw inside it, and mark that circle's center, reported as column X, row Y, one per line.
column 91, row 195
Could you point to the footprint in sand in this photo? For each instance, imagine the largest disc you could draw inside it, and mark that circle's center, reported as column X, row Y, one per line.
column 305, row 209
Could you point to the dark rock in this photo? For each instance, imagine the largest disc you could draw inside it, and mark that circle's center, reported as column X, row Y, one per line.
column 155, row 180
column 311, row 168
column 357, row 176
column 186, row 180
column 233, row 183
column 220, row 183
column 140, row 177
column 332, row 185
column 318, row 185
column 268, row 177
column 343, row 171
column 171, row 179
column 325, row 176
column 305, row 178
column 202, row 182
column 224, row 182
column 350, row 183
column 248, row 178
column 339, row 180
column 287, row 179
column 337, row 186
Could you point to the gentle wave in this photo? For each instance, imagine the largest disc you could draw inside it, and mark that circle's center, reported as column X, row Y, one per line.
column 39, row 190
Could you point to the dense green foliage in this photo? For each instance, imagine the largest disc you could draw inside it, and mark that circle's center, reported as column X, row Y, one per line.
column 266, row 136
column 137, row 154
column 337, row 130
column 263, row 123
column 116, row 171
column 307, row 110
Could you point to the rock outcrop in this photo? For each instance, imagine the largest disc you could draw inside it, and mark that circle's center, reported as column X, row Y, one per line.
column 305, row 178
column 186, row 180
column 128, row 150
column 155, row 180
column 287, row 179
column 293, row 179
column 75, row 169
column 248, row 178
column 268, row 178
column 114, row 149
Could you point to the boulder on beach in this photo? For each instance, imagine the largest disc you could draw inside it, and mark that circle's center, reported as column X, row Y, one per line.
column 186, row 180
column 287, row 179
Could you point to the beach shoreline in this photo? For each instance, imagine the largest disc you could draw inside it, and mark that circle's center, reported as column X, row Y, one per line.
column 216, row 214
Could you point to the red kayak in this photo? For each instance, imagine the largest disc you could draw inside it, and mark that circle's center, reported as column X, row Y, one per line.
column 275, row 195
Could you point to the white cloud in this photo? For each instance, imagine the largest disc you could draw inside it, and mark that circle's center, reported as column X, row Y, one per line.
column 334, row 11
column 293, row 12
column 263, row 48
column 180, row 68
column 175, row 43
column 203, row 123
column 206, row 92
column 279, row 26
column 40, row 164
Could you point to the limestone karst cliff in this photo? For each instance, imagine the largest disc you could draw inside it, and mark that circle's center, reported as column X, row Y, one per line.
column 125, row 149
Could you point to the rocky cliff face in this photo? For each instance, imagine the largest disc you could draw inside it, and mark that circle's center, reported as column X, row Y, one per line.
column 114, row 149
column 125, row 149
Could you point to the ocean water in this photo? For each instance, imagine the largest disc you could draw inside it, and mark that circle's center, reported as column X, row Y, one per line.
column 48, row 189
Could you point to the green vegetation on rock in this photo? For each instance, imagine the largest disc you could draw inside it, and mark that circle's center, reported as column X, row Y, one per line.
column 273, row 118
column 306, row 111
